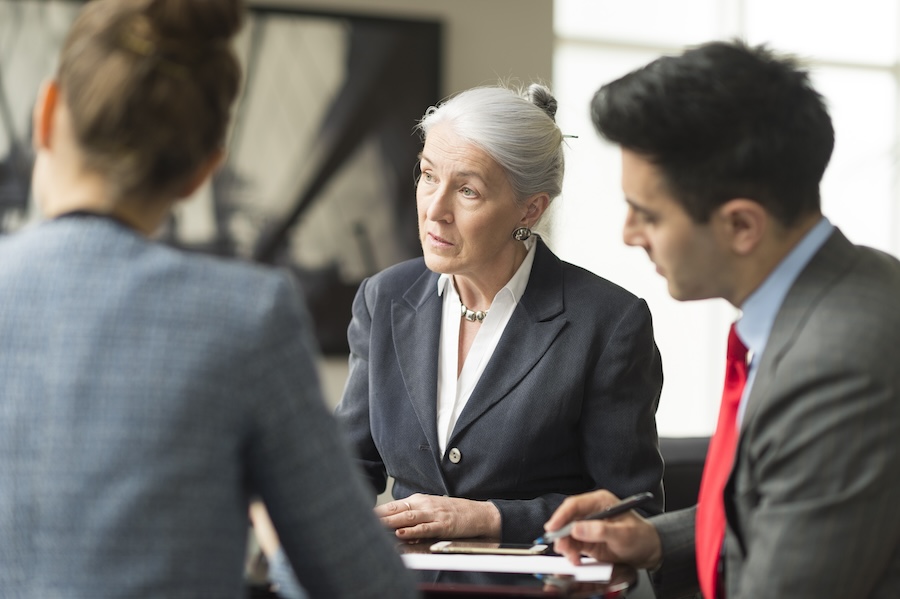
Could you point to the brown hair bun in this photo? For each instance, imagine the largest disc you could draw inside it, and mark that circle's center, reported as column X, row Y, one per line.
column 150, row 85
column 197, row 20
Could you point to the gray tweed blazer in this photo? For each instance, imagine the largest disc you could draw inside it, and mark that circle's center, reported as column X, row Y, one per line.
column 147, row 393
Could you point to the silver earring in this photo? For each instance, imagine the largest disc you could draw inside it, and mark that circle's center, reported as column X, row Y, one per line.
column 521, row 233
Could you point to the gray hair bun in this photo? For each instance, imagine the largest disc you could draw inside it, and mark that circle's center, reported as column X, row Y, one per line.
column 540, row 96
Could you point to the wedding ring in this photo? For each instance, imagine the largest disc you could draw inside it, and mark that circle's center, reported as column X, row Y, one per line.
column 408, row 507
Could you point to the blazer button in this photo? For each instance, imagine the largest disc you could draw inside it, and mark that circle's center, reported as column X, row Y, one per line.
column 454, row 455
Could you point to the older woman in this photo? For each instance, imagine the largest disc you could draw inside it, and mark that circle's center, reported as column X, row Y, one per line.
column 489, row 378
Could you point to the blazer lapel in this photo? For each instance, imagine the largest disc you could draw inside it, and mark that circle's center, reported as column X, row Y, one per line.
column 832, row 260
column 416, row 323
column 535, row 323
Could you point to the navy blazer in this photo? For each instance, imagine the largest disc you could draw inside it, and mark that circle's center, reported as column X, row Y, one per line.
column 566, row 404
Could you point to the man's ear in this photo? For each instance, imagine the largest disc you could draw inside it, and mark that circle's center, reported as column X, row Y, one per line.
column 744, row 223
column 206, row 169
column 535, row 207
column 42, row 117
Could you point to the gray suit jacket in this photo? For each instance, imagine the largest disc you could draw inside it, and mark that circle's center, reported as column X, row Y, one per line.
column 566, row 404
column 145, row 395
column 812, row 501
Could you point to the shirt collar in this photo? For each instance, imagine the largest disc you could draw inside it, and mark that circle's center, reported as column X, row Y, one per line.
column 516, row 285
column 760, row 309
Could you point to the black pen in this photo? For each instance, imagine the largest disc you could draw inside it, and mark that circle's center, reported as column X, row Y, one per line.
column 629, row 503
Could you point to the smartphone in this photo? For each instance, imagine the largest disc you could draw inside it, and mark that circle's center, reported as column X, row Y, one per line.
column 491, row 548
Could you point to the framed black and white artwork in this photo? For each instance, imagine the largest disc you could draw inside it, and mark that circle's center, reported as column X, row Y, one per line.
column 319, row 176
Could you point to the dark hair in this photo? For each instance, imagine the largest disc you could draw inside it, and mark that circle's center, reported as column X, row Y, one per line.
column 722, row 121
column 150, row 85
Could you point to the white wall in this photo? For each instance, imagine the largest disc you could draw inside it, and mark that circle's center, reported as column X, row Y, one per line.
column 484, row 40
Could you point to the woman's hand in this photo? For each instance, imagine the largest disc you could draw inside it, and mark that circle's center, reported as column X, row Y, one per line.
column 628, row 538
column 438, row 517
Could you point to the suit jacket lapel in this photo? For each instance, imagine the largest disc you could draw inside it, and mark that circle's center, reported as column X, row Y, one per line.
column 828, row 264
column 416, row 323
column 534, row 325
column 832, row 260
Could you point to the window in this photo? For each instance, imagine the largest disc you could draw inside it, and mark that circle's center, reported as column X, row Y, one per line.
column 852, row 51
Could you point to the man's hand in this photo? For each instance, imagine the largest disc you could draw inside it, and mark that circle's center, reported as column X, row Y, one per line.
column 628, row 538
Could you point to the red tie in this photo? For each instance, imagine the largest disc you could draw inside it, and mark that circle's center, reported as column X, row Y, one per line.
column 710, row 525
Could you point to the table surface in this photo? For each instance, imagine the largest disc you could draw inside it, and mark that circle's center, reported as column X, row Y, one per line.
column 435, row 584
column 471, row 585
column 491, row 585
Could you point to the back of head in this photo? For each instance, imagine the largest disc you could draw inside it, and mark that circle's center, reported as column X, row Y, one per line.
column 149, row 85
column 723, row 121
column 517, row 129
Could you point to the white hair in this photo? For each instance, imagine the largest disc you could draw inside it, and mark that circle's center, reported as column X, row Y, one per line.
column 516, row 129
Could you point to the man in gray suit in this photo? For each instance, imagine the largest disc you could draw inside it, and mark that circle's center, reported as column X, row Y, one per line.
column 723, row 149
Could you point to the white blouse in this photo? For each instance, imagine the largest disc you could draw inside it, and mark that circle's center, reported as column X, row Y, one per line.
column 453, row 393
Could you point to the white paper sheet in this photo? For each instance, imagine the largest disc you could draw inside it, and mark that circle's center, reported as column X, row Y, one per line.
column 589, row 570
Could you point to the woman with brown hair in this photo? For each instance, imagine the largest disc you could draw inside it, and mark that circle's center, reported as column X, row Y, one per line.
column 146, row 393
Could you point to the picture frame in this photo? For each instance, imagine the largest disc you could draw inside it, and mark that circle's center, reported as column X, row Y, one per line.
column 319, row 174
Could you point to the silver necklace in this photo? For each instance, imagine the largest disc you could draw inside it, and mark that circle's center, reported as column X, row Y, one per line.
column 471, row 315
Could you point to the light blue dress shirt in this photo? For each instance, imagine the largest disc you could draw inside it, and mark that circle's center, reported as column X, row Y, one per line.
column 761, row 308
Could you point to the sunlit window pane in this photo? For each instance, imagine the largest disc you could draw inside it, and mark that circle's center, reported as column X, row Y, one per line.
column 858, row 31
column 592, row 195
column 587, row 230
column 655, row 22
column 857, row 189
